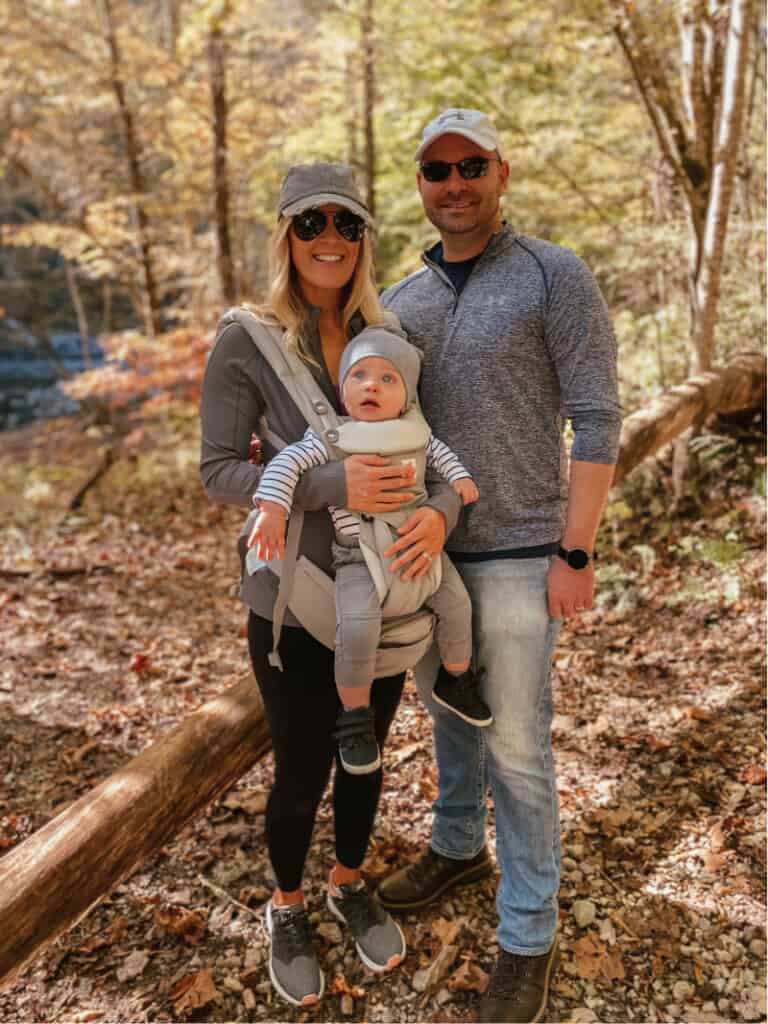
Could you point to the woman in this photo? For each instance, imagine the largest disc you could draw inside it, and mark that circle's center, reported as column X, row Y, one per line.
column 321, row 293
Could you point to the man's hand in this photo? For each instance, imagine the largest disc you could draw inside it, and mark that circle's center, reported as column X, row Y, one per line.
column 421, row 535
column 268, row 533
column 373, row 482
column 466, row 488
column 569, row 591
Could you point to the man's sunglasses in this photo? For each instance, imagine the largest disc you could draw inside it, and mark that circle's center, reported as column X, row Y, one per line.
column 312, row 222
column 469, row 167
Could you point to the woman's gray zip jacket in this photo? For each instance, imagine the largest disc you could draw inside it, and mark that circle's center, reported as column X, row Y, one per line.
column 239, row 387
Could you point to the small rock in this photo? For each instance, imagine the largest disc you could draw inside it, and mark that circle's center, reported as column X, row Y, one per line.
column 568, row 864
column 673, row 1010
column 231, row 984
column 576, row 850
column 608, row 932
column 443, row 997
column 347, row 1005
column 753, row 1005
column 757, row 948
column 682, row 990
column 249, row 999
column 330, row 931
column 582, row 1015
column 584, row 911
column 133, row 965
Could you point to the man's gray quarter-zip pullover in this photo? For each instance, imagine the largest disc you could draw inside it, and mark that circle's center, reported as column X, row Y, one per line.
column 527, row 344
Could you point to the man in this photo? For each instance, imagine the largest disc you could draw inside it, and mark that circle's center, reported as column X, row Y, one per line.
column 516, row 339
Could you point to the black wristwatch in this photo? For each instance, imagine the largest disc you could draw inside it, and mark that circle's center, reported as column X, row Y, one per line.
column 577, row 558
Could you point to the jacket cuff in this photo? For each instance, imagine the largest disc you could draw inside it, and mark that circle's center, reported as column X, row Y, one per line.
column 447, row 501
column 322, row 486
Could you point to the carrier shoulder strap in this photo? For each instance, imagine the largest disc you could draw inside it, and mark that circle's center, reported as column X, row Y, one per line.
column 313, row 405
column 293, row 373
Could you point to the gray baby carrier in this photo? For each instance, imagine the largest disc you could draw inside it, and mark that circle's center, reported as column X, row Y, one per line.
column 407, row 628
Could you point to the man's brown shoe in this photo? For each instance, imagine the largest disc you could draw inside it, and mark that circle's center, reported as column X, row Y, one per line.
column 519, row 988
column 430, row 876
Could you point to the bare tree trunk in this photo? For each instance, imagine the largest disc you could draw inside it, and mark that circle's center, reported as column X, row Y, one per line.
column 725, row 156
column 106, row 307
column 369, row 101
column 152, row 312
column 351, row 108
column 169, row 10
column 218, row 83
column 82, row 319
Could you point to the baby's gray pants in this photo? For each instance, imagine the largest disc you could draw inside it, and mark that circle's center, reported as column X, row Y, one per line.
column 358, row 617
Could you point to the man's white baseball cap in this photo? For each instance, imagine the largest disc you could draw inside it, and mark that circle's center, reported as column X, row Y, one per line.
column 472, row 124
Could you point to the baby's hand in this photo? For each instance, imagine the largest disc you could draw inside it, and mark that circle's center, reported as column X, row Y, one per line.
column 268, row 533
column 467, row 490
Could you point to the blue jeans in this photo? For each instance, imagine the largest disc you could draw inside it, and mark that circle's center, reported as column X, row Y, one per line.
column 514, row 639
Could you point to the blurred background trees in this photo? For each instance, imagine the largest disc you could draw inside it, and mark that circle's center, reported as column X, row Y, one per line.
column 142, row 143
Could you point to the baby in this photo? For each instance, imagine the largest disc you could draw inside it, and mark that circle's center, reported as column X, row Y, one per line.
column 378, row 379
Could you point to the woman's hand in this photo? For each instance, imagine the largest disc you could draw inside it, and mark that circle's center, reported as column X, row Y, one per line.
column 268, row 533
column 422, row 536
column 373, row 482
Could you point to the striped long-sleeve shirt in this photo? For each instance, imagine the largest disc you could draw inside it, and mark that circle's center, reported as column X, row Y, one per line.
column 280, row 477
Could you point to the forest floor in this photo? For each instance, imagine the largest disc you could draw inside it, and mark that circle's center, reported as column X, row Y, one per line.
column 118, row 620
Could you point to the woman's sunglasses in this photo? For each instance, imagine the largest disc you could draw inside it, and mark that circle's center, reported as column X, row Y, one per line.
column 311, row 223
column 469, row 167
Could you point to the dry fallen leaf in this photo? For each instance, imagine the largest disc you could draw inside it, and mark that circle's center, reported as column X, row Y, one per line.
column 178, row 921
column 133, row 965
column 445, row 931
column 714, row 862
column 468, row 977
column 594, row 960
column 753, row 774
column 699, row 714
column 193, row 991
column 110, row 937
column 341, row 987
column 249, row 803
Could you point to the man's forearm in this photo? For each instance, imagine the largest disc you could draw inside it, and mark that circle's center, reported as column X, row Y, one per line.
column 588, row 489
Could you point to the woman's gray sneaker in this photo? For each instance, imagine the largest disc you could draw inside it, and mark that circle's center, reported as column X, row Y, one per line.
column 293, row 967
column 379, row 940
column 355, row 734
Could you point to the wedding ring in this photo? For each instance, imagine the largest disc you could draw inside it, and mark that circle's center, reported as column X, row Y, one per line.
column 426, row 554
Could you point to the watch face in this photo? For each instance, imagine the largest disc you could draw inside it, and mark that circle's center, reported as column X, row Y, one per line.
column 578, row 558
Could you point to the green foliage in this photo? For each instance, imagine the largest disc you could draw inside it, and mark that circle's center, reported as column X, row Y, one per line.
column 584, row 164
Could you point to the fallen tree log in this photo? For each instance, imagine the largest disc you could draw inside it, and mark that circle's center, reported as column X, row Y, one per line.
column 52, row 879
column 740, row 385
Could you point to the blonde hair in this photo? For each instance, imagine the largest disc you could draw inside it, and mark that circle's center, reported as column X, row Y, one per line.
column 289, row 308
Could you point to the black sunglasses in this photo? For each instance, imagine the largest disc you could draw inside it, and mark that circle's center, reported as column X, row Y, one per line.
column 312, row 222
column 469, row 167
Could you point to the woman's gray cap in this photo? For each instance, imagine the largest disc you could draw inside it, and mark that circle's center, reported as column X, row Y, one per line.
column 472, row 124
column 379, row 341
column 308, row 185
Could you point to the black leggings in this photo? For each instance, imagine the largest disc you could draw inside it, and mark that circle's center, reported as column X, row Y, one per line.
column 301, row 705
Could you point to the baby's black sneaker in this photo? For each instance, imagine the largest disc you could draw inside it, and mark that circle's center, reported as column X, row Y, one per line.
column 461, row 695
